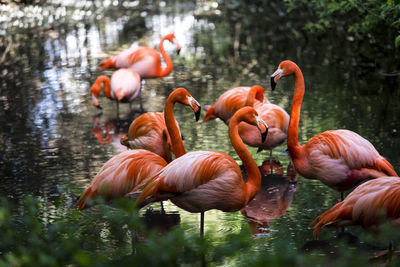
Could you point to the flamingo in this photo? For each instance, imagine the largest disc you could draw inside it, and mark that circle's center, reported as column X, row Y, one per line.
column 340, row 159
column 276, row 117
column 232, row 100
column 369, row 205
column 149, row 130
column 130, row 169
column 125, row 87
column 202, row 180
column 144, row 60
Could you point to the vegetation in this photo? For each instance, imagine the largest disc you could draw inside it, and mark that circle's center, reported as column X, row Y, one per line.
column 123, row 239
column 367, row 17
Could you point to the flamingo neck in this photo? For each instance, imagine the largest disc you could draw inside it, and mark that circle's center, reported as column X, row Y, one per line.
column 255, row 92
column 176, row 141
column 253, row 173
column 167, row 59
column 293, row 138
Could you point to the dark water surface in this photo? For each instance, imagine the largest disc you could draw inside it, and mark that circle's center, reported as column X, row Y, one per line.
column 53, row 141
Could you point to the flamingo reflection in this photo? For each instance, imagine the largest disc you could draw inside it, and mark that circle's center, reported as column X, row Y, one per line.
column 273, row 199
column 111, row 131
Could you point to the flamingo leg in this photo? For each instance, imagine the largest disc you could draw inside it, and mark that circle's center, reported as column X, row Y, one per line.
column 117, row 110
column 270, row 161
column 141, row 101
column 202, row 224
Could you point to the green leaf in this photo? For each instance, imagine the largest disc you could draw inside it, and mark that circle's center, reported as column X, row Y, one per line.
column 397, row 41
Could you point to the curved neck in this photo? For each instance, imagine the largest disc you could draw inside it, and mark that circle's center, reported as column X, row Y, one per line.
column 106, row 88
column 293, row 135
column 167, row 59
column 255, row 92
column 176, row 141
column 253, row 173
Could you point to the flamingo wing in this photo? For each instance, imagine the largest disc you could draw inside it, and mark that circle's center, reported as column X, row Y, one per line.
column 342, row 158
column 197, row 181
column 121, row 174
column 370, row 204
column 125, row 85
column 230, row 101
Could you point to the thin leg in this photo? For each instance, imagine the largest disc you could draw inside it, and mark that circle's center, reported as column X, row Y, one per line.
column 141, row 101
column 270, row 161
column 202, row 224
column 117, row 110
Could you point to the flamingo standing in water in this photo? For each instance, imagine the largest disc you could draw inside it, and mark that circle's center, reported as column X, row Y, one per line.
column 340, row 159
column 124, row 87
column 146, row 61
column 159, row 131
column 233, row 100
column 132, row 168
column 276, row 118
column 203, row 180
column 369, row 205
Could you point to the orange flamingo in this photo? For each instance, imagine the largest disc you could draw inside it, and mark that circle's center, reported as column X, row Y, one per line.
column 146, row 61
column 232, row 100
column 203, row 180
column 338, row 158
column 124, row 87
column 149, row 130
column 132, row 168
column 369, row 205
column 120, row 175
column 276, row 118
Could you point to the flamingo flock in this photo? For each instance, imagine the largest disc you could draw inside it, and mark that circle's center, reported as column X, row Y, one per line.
column 156, row 167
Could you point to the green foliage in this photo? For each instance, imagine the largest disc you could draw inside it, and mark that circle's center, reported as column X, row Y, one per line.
column 123, row 240
column 354, row 15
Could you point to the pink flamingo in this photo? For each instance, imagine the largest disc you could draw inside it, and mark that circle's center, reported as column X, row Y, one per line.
column 369, row 205
column 130, row 169
column 203, row 180
column 276, row 118
column 157, row 131
column 338, row 158
column 233, row 100
column 124, row 87
column 146, row 61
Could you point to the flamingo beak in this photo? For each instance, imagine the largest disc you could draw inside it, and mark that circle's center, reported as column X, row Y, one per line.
column 195, row 106
column 178, row 47
column 275, row 77
column 261, row 125
column 96, row 102
column 124, row 140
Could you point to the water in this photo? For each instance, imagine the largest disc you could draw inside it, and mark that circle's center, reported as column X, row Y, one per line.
column 54, row 141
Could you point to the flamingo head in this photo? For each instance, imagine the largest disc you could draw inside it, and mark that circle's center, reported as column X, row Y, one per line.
column 109, row 63
column 285, row 68
column 125, row 141
column 171, row 37
column 250, row 115
column 95, row 91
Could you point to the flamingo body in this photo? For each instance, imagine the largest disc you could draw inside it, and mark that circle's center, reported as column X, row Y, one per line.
column 159, row 132
column 124, row 86
column 369, row 205
column 202, row 180
column 232, row 100
column 146, row 61
column 149, row 131
column 340, row 159
column 121, row 174
column 277, row 120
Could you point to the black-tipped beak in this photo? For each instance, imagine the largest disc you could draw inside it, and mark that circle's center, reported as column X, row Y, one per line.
column 99, row 107
column 178, row 51
column 197, row 113
column 264, row 135
column 273, row 83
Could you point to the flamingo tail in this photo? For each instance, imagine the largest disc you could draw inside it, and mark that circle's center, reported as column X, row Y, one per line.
column 210, row 114
column 384, row 165
column 85, row 198
column 331, row 217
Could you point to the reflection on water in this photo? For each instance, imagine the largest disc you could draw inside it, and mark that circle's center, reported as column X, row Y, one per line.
column 274, row 197
column 54, row 141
